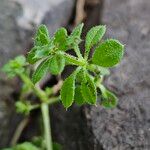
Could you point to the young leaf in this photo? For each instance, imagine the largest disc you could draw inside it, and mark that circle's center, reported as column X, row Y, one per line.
column 109, row 100
column 108, row 54
column 22, row 107
column 21, row 60
column 88, row 90
column 77, row 31
column 94, row 35
column 78, row 96
column 56, row 64
column 68, row 90
column 42, row 36
column 39, row 52
column 75, row 37
column 40, row 71
column 60, row 39
column 31, row 56
column 15, row 66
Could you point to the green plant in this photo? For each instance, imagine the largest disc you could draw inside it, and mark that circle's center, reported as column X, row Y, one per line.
column 50, row 55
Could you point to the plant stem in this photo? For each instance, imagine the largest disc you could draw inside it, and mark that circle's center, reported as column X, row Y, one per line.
column 18, row 131
column 44, row 108
column 77, row 51
column 79, row 62
column 47, row 128
column 37, row 90
column 50, row 102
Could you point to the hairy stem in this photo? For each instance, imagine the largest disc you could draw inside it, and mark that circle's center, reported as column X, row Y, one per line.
column 79, row 61
column 36, row 90
column 47, row 128
column 77, row 51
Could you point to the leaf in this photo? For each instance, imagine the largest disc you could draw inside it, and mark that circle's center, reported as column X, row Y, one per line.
column 26, row 146
column 60, row 39
column 56, row 64
column 21, row 60
column 38, row 141
column 31, row 56
column 39, row 52
column 109, row 100
column 22, row 107
column 40, row 71
column 108, row 54
column 14, row 66
column 57, row 146
column 88, row 90
column 94, row 35
column 75, row 37
column 68, row 90
column 78, row 96
column 42, row 36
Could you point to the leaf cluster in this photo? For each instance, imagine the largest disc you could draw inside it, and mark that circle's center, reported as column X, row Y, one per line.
column 50, row 54
column 81, row 86
column 15, row 66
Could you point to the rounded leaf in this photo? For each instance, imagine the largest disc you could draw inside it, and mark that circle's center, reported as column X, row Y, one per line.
column 108, row 53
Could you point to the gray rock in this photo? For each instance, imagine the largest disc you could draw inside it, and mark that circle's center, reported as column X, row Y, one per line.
column 18, row 20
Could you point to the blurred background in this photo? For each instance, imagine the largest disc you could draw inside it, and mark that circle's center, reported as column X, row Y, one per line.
column 126, row 127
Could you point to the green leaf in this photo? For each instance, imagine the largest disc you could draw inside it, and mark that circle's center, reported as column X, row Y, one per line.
column 56, row 64
column 57, row 146
column 40, row 71
column 39, row 52
column 38, row 141
column 94, row 35
column 78, row 96
column 60, row 39
column 108, row 54
column 75, row 37
column 109, row 99
column 15, row 66
column 22, row 107
column 21, row 60
column 42, row 36
column 26, row 146
column 68, row 90
column 88, row 90
column 31, row 56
